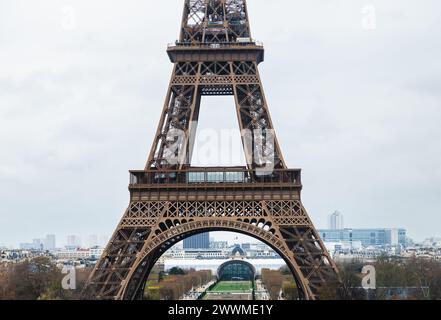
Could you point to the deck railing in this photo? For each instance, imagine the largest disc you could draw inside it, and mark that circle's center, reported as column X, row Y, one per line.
column 211, row 45
column 215, row 176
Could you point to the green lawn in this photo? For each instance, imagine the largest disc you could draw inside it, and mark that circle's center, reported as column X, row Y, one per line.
column 233, row 286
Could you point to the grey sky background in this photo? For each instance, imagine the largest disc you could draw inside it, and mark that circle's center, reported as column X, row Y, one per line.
column 358, row 110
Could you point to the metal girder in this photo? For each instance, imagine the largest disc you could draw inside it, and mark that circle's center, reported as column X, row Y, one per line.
column 189, row 82
column 213, row 21
column 215, row 55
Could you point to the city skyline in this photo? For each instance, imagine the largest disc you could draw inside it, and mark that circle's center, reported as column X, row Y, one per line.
column 364, row 129
column 231, row 237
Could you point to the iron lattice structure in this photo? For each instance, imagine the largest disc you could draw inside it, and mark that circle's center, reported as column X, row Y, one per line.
column 170, row 200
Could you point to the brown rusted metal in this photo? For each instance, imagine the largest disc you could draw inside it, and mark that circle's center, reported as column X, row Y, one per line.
column 215, row 55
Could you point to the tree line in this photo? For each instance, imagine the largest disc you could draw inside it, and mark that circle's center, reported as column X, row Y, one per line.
column 176, row 284
column 280, row 284
column 413, row 279
column 396, row 279
column 38, row 279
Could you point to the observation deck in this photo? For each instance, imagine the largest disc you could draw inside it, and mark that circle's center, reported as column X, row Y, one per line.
column 214, row 183
column 222, row 51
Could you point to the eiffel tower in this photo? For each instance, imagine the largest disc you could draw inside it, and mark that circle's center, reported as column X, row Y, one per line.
column 170, row 200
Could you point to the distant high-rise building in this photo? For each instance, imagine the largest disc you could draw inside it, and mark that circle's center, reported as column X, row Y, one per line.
column 73, row 241
column 37, row 244
column 50, row 242
column 200, row 241
column 336, row 221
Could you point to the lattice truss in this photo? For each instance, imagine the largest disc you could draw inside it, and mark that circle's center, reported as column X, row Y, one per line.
column 214, row 21
column 174, row 127
column 311, row 256
column 148, row 229
column 190, row 81
column 281, row 213
column 114, row 267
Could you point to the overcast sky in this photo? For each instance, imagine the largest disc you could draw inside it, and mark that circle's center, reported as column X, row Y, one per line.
column 82, row 84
